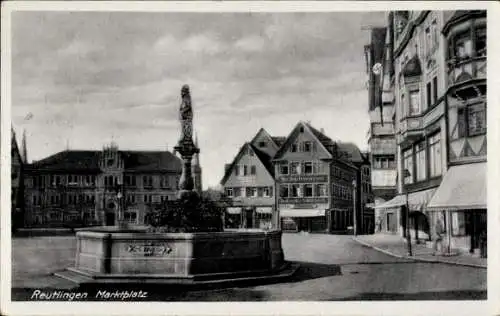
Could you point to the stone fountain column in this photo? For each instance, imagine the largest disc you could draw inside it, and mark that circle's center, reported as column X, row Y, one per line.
column 186, row 147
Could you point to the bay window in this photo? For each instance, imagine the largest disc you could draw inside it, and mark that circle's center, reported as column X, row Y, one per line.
column 420, row 161
column 435, row 155
column 408, row 165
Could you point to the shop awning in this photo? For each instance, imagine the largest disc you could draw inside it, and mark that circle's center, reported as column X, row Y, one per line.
column 233, row 210
column 264, row 210
column 463, row 187
column 301, row 213
column 417, row 201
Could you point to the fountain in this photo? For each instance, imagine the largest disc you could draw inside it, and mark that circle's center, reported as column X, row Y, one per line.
column 193, row 256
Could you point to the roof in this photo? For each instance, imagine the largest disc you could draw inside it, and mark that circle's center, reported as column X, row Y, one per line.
column 264, row 158
column 89, row 160
column 323, row 139
column 278, row 140
column 352, row 151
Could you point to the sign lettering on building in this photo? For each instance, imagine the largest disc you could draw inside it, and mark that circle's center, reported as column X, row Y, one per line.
column 302, row 201
column 304, row 178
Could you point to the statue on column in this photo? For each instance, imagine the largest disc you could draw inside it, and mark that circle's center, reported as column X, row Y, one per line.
column 186, row 148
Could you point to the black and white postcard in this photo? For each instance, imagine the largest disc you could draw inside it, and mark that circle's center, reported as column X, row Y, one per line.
column 291, row 158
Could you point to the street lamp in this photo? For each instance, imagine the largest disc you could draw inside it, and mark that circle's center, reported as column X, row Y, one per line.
column 355, row 220
column 406, row 173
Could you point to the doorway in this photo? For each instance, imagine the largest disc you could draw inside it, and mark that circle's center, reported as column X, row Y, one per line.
column 110, row 219
column 249, row 218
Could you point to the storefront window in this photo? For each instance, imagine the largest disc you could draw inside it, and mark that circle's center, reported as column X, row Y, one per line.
column 458, row 223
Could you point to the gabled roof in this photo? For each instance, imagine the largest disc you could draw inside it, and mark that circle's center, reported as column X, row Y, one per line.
column 89, row 160
column 324, row 140
column 264, row 158
column 277, row 140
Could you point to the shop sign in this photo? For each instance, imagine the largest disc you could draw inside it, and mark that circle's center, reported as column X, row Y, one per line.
column 304, row 178
column 302, row 201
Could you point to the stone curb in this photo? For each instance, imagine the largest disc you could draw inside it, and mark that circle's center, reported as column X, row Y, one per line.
column 387, row 252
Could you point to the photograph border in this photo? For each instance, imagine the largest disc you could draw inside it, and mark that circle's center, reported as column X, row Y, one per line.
column 487, row 307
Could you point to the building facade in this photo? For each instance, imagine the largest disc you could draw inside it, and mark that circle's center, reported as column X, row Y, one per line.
column 77, row 187
column 315, row 182
column 382, row 138
column 248, row 183
column 17, row 183
column 439, row 61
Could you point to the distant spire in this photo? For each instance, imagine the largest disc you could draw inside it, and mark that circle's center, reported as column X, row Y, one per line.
column 24, row 148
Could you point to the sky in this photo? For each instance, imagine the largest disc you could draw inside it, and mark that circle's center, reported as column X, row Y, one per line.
column 83, row 79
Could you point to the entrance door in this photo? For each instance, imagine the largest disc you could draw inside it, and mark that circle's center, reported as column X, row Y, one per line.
column 391, row 222
column 110, row 219
column 249, row 218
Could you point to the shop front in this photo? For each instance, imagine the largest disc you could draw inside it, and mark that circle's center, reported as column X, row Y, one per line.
column 461, row 201
column 392, row 214
column 303, row 220
column 249, row 217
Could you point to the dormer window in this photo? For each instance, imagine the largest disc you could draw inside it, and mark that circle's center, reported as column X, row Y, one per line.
column 262, row 144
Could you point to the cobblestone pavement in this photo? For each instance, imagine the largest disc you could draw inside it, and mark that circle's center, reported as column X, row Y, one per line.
column 333, row 267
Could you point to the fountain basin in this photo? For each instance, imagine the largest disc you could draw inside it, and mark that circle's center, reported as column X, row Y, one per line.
column 108, row 255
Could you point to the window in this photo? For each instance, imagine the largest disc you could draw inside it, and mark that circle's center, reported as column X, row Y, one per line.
column 308, row 167
column 434, row 90
column 229, row 192
column 307, row 146
column 237, row 192
column 435, row 155
column 148, row 198
column 251, row 192
column 284, row 190
column 476, row 120
column 245, row 170
column 131, row 198
column 253, row 170
column 403, row 104
column 266, row 192
column 130, row 181
column 283, row 169
column 294, row 168
column 472, row 120
column 435, row 33
column 383, row 162
column 481, row 41
column 414, row 102
column 308, row 190
column 164, row 181
column 293, row 148
column 420, row 161
column 147, row 181
column 461, row 47
column 295, row 190
column 429, row 94
column 262, row 144
column 320, row 190
column 428, row 40
column 110, row 162
column 236, row 170
column 408, row 165
column 130, row 217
